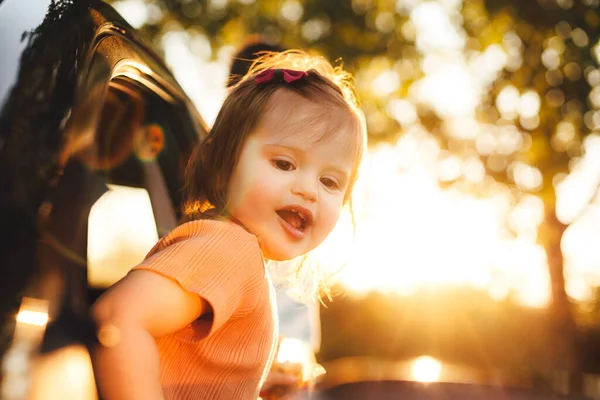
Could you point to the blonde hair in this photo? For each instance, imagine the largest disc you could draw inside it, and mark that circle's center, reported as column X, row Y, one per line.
column 211, row 164
column 301, row 61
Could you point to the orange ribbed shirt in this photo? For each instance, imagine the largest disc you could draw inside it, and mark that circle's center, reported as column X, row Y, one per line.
column 226, row 356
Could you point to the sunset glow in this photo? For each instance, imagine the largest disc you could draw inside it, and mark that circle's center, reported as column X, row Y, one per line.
column 414, row 229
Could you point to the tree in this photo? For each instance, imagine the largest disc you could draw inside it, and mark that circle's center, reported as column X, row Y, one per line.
column 559, row 67
column 545, row 97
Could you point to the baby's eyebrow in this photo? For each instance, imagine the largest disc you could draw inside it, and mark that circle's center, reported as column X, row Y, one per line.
column 341, row 171
column 294, row 149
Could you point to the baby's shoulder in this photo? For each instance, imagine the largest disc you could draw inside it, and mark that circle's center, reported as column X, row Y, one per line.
column 214, row 237
column 215, row 230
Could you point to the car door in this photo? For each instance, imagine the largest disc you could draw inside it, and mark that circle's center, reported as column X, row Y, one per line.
column 95, row 134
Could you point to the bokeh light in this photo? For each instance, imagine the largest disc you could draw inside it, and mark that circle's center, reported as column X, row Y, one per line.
column 458, row 193
column 426, row 369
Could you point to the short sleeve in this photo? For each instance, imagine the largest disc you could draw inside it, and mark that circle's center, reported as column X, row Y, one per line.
column 220, row 261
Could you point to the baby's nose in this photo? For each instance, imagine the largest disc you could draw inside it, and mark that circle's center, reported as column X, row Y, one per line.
column 305, row 188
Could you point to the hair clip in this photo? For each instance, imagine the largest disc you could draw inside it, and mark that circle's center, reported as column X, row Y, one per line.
column 286, row 75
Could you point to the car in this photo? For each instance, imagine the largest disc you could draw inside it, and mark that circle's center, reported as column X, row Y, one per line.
column 95, row 133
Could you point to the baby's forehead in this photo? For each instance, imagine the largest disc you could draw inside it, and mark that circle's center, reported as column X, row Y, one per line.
column 290, row 117
column 285, row 103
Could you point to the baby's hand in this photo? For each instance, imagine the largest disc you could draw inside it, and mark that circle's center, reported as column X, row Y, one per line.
column 280, row 384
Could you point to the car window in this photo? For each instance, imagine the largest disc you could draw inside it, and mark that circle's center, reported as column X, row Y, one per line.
column 121, row 231
column 141, row 152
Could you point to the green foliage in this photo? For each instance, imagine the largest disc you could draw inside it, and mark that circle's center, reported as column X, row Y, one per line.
column 563, row 90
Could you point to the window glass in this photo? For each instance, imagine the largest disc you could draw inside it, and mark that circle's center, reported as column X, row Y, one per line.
column 142, row 145
column 121, row 231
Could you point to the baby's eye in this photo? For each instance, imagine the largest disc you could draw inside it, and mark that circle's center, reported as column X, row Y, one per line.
column 330, row 183
column 283, row 165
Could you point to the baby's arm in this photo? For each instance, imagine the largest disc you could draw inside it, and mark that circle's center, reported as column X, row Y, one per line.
column 139, row 308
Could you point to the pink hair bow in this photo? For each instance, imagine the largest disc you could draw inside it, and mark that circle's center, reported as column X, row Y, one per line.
column 287, row 75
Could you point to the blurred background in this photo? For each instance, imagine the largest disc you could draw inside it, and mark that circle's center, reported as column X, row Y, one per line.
column 478, row 208
column 478, row 211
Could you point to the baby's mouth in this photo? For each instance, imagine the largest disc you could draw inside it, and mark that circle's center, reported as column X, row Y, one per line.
column 297, row 218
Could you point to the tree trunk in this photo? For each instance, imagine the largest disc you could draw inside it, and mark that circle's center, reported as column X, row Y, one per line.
column 568, row 355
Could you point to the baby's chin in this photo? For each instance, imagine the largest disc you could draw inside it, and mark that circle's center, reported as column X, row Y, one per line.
column 278, row 254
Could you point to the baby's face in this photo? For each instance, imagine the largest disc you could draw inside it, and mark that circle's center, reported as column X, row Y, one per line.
column 289, row 183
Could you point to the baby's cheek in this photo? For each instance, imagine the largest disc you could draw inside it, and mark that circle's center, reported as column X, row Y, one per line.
column 269, row 181
column 330, row 215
